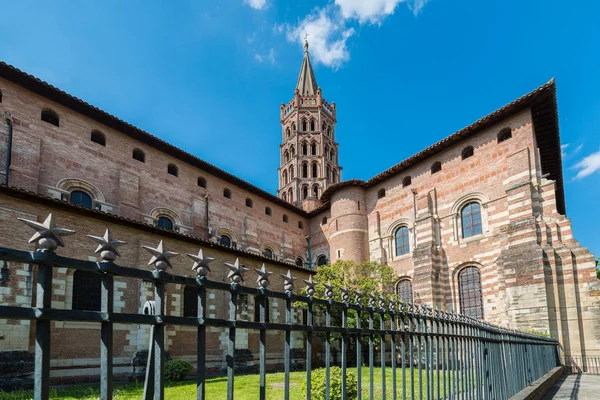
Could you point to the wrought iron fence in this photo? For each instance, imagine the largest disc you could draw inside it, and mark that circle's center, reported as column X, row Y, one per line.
column 434, row 354
column 582, row 364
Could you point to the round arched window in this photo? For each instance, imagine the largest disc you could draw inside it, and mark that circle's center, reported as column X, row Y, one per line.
column 321, row 260
column 225, row 240
column 471, row 220
column 165, row 223
column 299, row 262
column 81, row 199
column 268, row 253
column 404, row 290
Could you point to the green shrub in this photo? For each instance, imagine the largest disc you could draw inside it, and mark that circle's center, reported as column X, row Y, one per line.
column 177, row 370
column 317, row 389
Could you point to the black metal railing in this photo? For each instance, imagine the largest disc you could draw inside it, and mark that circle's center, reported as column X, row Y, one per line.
column 434, row 354
column 576, row 364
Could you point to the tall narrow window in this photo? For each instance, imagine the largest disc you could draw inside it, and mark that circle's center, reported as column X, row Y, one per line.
column 381, row 193
column 406, row 181
column 50, row 117
column 172, row 170
column 286, row 156
column 227, row 193
column 249, row 203
column 305, row 170
column 291, row 172
column 202, row 182
column 80, row 198
column 268, row 211
column 285, row 218
column 467, row 152
column 312, row 124
column 290, row 195
column 98, row 137
column 404, row 290
column 139, row 155
column 284, row 197
column 436, row 167
column 313, row 149
column 190, row 301
column 315, row 191
column 225, row 240
column 304, row 125
column 165, row 223
column 469, row 291
column 471, row 220
column 300, row 225
column 401, row 241
column 285, row 177
column 324, row 221
column 304, row 149
column 315, row 170
column 304, row 192
column 86, row 291
column 504, row 134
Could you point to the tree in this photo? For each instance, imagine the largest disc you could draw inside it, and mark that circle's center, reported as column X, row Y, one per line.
column 598, row 268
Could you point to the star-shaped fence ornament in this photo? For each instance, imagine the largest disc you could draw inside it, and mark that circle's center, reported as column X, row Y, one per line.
column 47, row 235
column 160, row 257
column 392, row 305
column 236, row 272
column 372, row 299
column 381, row 302
column 358, row 297
column 345, row 294
column 107, row 246
column 310, row 286
column 288, row 281
column 328, row 290
column 263, row 277
column 200, row 267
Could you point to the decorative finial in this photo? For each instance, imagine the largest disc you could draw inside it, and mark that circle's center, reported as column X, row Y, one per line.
column 372, row 299
column 201, row 264
column 310, row 286
column 47, row 235
column 329, row 290
column 263, row 277
column 107, row 246
column 236, row 272
column 160, row 257
column 306, row 42
column 358, row 298
column 288, row 281
column 345, row 294
column 381, row 302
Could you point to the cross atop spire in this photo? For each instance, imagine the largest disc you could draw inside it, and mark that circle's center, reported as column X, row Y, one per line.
column 307, row 83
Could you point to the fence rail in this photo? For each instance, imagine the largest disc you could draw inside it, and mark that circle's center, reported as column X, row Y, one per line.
column 582, row 365
column 434, row 354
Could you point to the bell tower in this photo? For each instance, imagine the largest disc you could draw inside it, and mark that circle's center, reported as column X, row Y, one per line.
column 309, row 152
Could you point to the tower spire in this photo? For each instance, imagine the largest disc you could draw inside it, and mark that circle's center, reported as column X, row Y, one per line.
column 307, row 83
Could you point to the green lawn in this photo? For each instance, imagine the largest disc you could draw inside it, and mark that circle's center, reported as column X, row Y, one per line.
column 246, row 388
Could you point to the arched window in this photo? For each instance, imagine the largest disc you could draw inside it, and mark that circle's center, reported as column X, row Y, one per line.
column 401, row 241
column 470, row 217
column 504, row 134
column 312, row 124
column 172, row 169
column 300, row 225
column 436, row 167
column 313, row 149
column 404, row 290
column 304, row 192
column 98, row 137
column 291, row 172
column 381, row 193
column 86, row 291
column 288, row 133
column 406, row 181
column 332, row 155
column 293, row 151
column 286, row 156
column 305, row 170
column 268, row 253
column 257, row 301
column 249, row 203
column 323, row 126
column 50, row 117
column 293, row 127
column 290, row 195
column 202, row 182
column 165, row 223
column 285, row 218
column 299, row 262
column 467, row 152
column 268, row 211
column 190, row 301
column 284, row 196
column 225, row 240
column 328, row 173
column 469, row 292
column 285, row 177
column 315, row 191
column 227, row 193
column 335, row 175
column 81, row 199
column 139, row 155
column 304, row 125
column 315, row 170
column 328, row 131
column 304, row 149
column 324, row 221
column 321, row 260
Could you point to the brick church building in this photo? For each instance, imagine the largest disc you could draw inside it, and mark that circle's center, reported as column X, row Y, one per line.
column 476, row 223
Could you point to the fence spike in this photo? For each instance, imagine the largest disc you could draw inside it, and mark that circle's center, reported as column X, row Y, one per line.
column 201, row 266
column 47, row 235
column 236, row 273
column 345, row 294
column 310, row 286
column 358, row 297
column 160, row 257
column 329, row 290
column 288, row 281
column 382, row 302
column 107, row 246
column 372, row 300
column 263, row 277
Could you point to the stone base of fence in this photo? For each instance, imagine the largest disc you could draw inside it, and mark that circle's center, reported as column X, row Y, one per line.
column 539, row 388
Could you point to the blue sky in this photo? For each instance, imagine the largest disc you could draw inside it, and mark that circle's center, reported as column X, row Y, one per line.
column 209, row 76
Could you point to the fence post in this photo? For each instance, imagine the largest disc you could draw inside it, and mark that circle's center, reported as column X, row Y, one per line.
column 42, row 334
column 106, row 351
column 201, row 345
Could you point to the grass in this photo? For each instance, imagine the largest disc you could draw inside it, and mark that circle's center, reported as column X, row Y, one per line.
column 246, row 388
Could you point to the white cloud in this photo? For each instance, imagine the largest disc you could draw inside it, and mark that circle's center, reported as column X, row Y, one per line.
column 374, row 11
column 269, row 56
column 563, row 149
column 256, row 4
column 564, row 153
column 327, row 35
column 588, row 165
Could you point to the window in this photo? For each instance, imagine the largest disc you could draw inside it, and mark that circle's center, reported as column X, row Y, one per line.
column 324, row 221
column 293, row 127
column 299, row 262
column 80, row 199
column 190, row 301
column 291, row 172
column 467, row 152
column 406, row 181
column 304, row 149
column 436, row 167
column 225, row 240
column 312, row 124
column 86, row 291
column 504, row 134
column 313, row 149
column 381, row 193
column 304, row 192
column 268, row 253
column 98, row 137
column 172, row 170
column 470, row 216
column 165, row 223
column 315, row 170
column 305, row 170
column 50, row 117
column 304, row 125
column 286, row 156
column 404, row 290
column 401, row 241
column 227, row 193
column 268, row 211
column 287, row 133
column 293, row 150
column 285, row 218
column 249, row 203
column 321, row 260
column 202, row 182
column 284, row 197
column 257, row 301
column 139, row 155
column 316, row 191
column 469, row 292
column 291, row 195
column 285, row 177
column 300, row 225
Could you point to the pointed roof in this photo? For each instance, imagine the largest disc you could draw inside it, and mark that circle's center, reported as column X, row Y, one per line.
column 307, row 83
